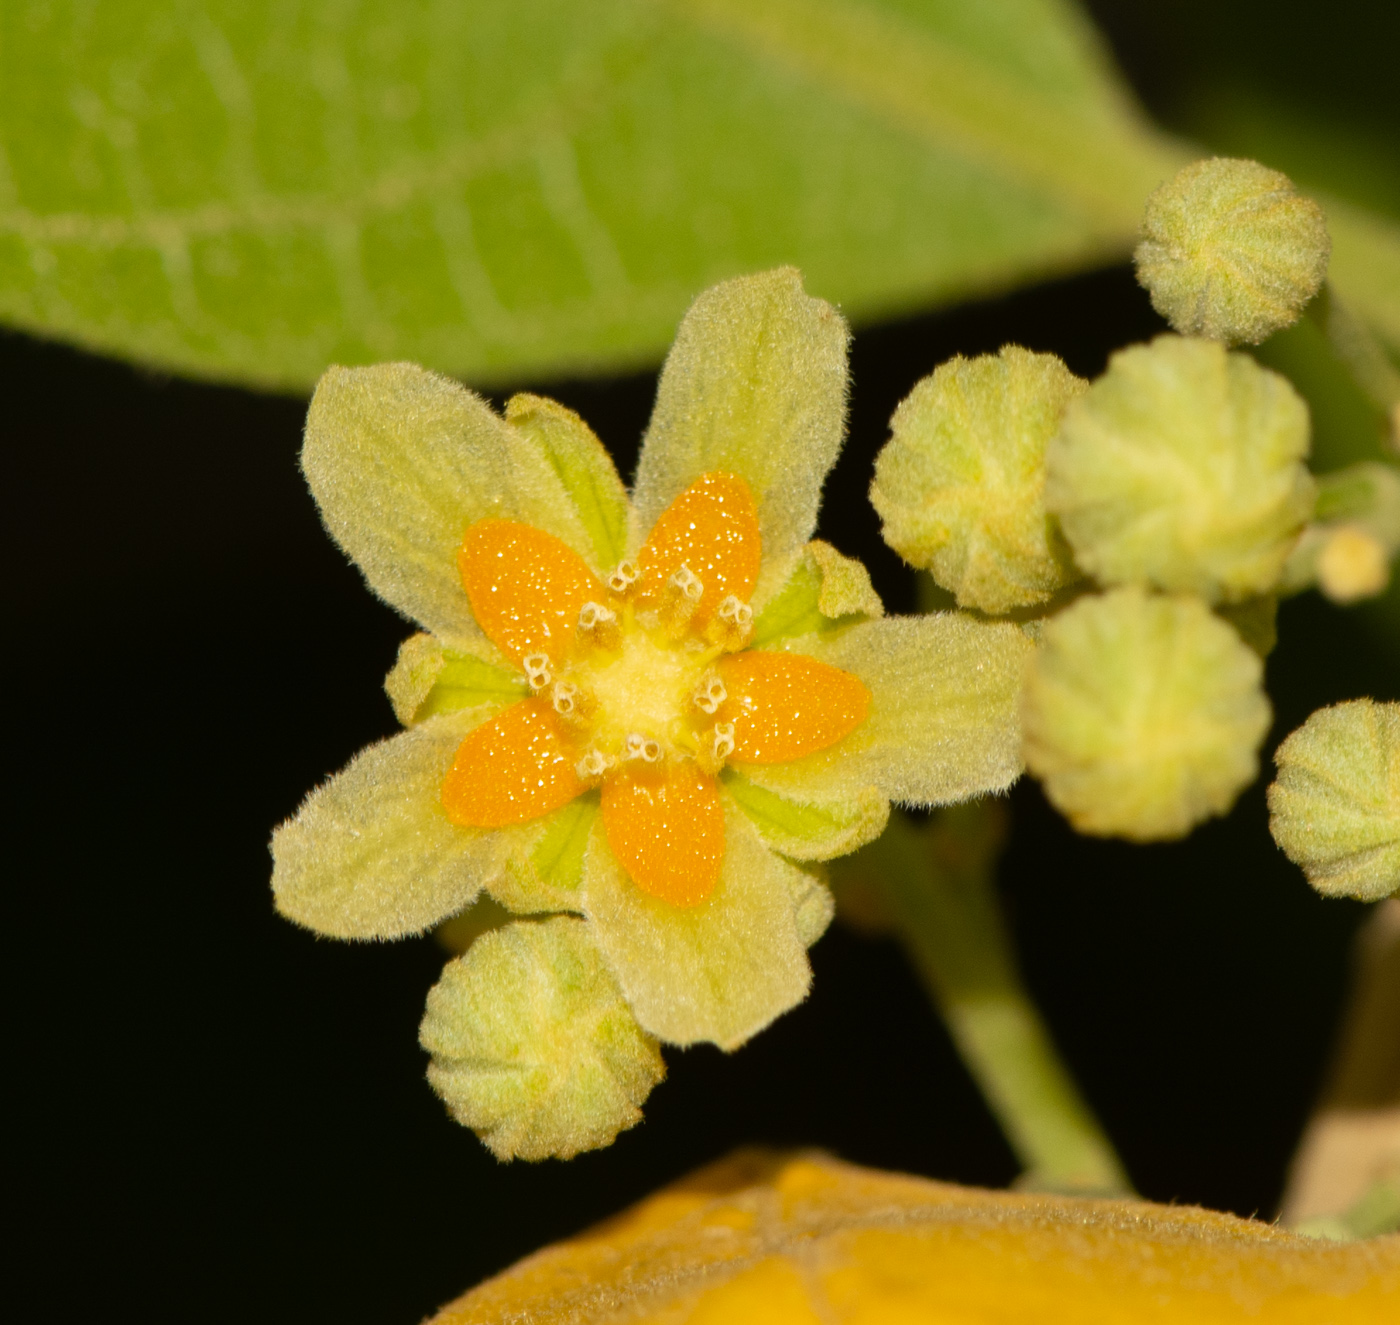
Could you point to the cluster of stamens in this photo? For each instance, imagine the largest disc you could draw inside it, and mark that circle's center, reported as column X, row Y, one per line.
column 630, row 726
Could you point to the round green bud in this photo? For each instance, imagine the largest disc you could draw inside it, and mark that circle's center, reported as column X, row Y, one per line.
column 533, row 1045
column 960, row 486
column 1335, row 806
column 1231, row 250
column 1182, row 468
column 1142, row 714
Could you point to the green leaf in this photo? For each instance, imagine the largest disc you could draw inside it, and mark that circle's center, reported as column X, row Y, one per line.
column 251, row 192
column 510, row 190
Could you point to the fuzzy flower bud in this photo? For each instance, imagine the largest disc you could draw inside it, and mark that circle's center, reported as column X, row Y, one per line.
column 1230, row 250
column 1335, row 807
column 960, row 487
column 1347, row 552
column 1182, row 468
column 1142, row 715
column 1352, row 565
column 533, row 1045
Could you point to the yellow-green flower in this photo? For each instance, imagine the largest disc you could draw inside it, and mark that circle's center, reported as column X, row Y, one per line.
column 651, row 710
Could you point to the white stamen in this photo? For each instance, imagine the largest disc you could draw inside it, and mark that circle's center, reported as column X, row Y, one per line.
column 593, row 615
column 564, row 692
column 593, row 765
column 623, row 577
column 537, row 670
column 724, row 741
column 711, row 695
column 735, row 612
column 643, row 748
column 688, row 582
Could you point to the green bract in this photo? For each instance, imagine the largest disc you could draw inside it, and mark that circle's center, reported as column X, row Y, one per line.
column 1182, row 468
column 1230, row 250
column 961, row 485
column 1143, row 715
column 533, row 1044
column 401, row 461
column 1335, row 807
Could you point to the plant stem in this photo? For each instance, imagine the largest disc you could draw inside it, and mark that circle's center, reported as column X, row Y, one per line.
column 934, row 887
column 1362, row 354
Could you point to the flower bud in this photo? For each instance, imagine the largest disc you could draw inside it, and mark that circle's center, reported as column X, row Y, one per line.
column 960, row 485
column 1335, row 806
column 1347, row 552
column 533, row 1045
column 1182, row 468
column 1142, row 714
column 1352, row 565
column 1230, row 250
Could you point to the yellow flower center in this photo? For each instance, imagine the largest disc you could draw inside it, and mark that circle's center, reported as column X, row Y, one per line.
column 642, row 687
column 648, row 687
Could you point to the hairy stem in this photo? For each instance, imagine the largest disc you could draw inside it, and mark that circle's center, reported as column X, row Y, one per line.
column 933, row 886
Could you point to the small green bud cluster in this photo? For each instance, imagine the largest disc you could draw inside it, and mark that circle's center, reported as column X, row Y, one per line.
column 533, row 1044
column 1175, row 481
column 1167, row 501
column 1231, row 251
column 1335, row 806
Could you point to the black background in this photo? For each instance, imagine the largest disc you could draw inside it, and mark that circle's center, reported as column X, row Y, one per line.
column 216, row 1116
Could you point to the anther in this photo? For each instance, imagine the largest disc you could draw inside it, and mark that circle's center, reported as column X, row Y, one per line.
column 593, row 615
column 735, row 612
column 689, row 583
column 563, row 697
column 723, row 745
column 624, row 577
column 710, row 695
column 643, row 748
column 732, row 623
column 593, row 765
column 537, row 670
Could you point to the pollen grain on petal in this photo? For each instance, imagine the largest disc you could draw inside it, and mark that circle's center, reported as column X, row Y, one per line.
column 509, row 770
column 710, row 535
column 526, row 587
column 785, row 705
column 667, row 832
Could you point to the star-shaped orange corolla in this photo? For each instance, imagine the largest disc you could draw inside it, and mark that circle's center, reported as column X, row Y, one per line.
column 641, row 686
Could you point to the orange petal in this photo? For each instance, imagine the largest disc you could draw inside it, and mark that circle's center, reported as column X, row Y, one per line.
column 526, row 586
column 712, row 528
column 786, row 705
column 514, row 768
column 667, row 831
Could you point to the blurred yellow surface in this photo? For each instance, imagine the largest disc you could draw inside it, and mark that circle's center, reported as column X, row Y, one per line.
column 759, row 1239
